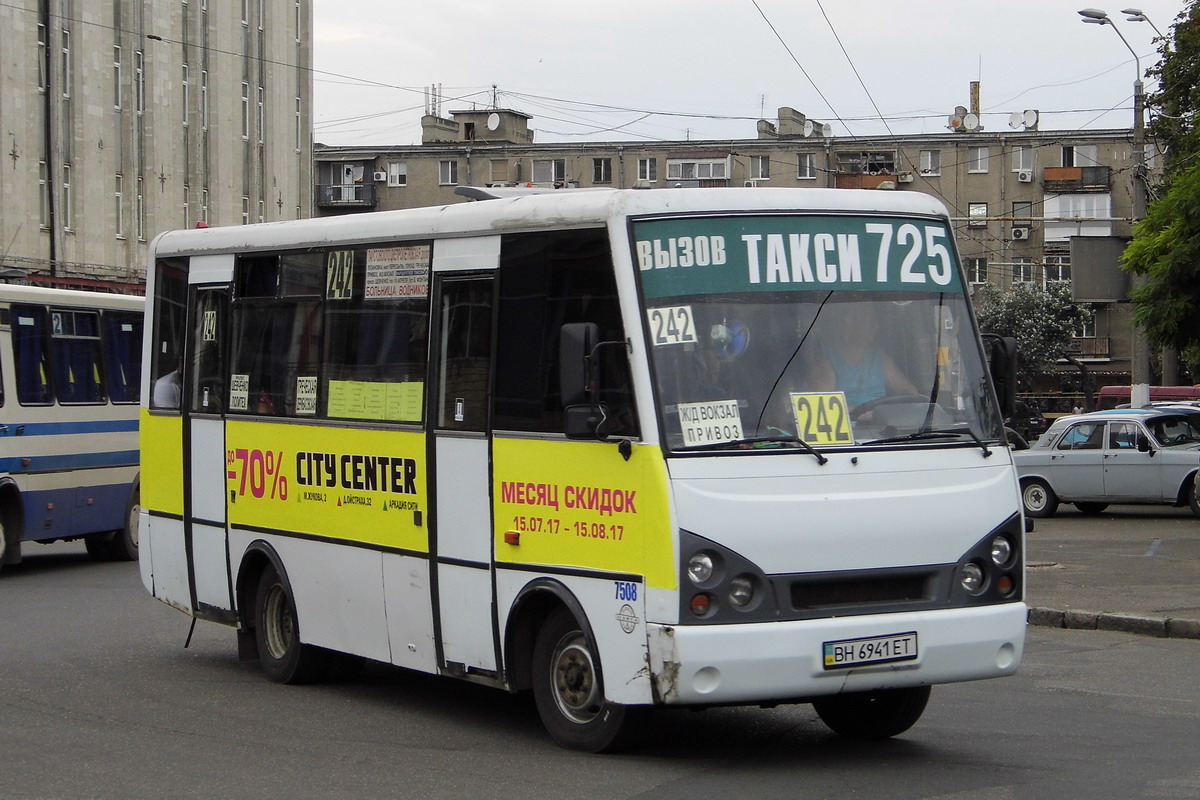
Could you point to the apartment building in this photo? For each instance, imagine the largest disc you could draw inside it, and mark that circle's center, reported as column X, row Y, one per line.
column 125, row 118
column 1020, row 198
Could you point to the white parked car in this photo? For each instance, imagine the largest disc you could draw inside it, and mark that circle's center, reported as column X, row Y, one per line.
column 1122, row 456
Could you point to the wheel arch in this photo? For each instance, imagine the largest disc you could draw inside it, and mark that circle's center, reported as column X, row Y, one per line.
column 1186, row 487
column 532, row 605
column 12, row 515
column 258, row 556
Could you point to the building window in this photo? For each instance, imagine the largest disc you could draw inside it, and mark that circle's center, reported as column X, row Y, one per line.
column 262, row 117
column 66, row 62
column 245, row 209
column 245, row 111
column 140, row 209
column 648, row 169
column 806, row 166
column 299, row 126
column 204, row 99
column 549, row 170
column 1022, row 158
column 262, row 211
column 44, row 193
column 931, row 162
column 601, row 170
column 67, row 220
column 499, row 170
column 139, row 81
column 977, row 215
column 245, row 12
column 119, row 204
column 397, row 172
column 868, row 163
column 976, row 269
column 1058, row 268
column 187, row 96
column 977, row 159
column 1022, row 212
column 1023, row 269
column 448, row 172
column 43, row 56
column 697, row 170
column 1088, row 329
column 117, row 77
column 760, row 168
column 1080, row 155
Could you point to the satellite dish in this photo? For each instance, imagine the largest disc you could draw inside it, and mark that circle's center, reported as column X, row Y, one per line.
column 960, row 111
column 826, row 130
column 1016, row 120
column 808, row 127
column 971, row 122
column 1030, row 118
column 955, row 122
column 493, row 121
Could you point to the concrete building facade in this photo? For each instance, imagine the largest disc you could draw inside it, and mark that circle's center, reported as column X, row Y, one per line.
column 1017, row 197
column 125, row 118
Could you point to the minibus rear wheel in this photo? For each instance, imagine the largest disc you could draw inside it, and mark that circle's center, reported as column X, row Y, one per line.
column 873, row 715
column 569, row 692
column 284, row 658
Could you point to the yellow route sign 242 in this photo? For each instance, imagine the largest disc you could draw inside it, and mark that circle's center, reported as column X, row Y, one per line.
column 822, row 417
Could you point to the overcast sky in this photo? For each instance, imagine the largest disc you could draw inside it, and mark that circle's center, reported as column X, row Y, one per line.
column 648, row 70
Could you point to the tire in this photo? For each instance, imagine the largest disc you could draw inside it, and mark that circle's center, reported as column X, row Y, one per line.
column 283, row 657
column 98, row 546
column 3, row 542
column 569, row 691
column 1091, row 509
column 1038, row 498
column 123, row 546
column 1192, row 499
column 873, row 715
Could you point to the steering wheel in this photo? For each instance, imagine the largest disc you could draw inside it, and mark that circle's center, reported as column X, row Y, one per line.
column 887, row 400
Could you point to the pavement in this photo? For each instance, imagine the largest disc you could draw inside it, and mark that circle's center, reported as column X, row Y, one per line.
column 1134, row 569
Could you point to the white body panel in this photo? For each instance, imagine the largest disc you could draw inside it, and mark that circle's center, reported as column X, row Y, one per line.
column 409, row 619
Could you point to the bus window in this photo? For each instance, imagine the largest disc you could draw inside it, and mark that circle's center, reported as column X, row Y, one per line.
column 170, row 306
column 548, row 280
column 123, row 355
column 32, row 358
column 466, row 320
column 75, row 354
column 208, row 354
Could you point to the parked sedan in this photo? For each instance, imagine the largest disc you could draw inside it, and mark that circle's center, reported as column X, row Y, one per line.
column 1123, row 456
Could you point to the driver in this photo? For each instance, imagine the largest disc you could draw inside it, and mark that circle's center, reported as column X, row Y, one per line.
column 855, row 363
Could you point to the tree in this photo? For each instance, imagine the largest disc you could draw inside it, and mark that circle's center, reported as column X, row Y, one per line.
column 1165, row 249
column 1043, row 321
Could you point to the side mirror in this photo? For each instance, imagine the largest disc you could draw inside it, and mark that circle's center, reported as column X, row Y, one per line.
column 576, row 379
column 1001, row 354
column 1143, row 444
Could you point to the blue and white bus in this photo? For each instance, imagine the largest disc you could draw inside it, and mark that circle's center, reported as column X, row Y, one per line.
column 70, row 377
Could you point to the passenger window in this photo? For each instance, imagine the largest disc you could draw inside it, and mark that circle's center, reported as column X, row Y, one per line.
column 1122, row 436
column 170, row 311
column 31, row 355
column 75, row 355
column 1085, row 436
column 123, row 355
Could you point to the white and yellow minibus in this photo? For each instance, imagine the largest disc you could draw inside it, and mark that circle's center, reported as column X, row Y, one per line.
column 627, row 449
column 70, row 363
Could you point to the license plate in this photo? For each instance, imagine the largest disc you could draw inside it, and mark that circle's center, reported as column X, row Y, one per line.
column 871, row 650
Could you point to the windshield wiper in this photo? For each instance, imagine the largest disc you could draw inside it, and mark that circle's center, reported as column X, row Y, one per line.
column 935, row 433
column 781, row 438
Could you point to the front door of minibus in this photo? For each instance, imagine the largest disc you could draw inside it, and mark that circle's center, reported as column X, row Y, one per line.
column 204, row 451
column 462, row 521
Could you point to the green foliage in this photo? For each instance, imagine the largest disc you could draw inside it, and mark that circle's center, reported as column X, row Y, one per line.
column 1043, row 321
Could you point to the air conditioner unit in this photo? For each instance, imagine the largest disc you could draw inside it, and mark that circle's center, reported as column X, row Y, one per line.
column 750, row 184
column 381, row 176
column 1025, row 175
column 1021, row 233
column 905, row 177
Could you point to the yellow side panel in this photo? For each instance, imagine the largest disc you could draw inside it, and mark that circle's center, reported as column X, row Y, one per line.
column 581, row 504
column 161, row 440
column 364, row 486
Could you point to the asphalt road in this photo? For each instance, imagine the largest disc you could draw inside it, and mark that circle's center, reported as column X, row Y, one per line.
column 98, row 698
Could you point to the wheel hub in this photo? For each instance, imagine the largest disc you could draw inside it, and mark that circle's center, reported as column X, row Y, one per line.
column 575, row 683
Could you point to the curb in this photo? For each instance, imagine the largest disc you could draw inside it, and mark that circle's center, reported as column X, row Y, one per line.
column 1161, row 627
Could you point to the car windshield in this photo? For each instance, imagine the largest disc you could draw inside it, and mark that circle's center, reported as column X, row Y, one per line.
column 823, row 331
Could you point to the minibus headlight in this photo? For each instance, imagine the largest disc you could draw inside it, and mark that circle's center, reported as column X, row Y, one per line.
column 973, row 578
column 700, row 568
column 701, row 604
column 741, row 591
column 1002, row 550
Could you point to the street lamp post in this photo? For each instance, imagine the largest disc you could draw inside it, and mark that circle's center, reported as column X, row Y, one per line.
column 1140, row 360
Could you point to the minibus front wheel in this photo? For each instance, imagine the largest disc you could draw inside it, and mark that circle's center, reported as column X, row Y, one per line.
column 873, row 715
column 284, row 658
column 569, row 692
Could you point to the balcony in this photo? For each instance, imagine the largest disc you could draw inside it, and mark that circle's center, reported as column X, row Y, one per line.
column 1088, row 348
column 1073, row 180
column 346, row 195
column 864, row 181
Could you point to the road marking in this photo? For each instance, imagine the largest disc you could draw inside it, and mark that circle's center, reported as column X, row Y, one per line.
column 1153, row 551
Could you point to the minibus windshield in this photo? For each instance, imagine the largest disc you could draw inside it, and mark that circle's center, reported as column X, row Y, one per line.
column 825, row 331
